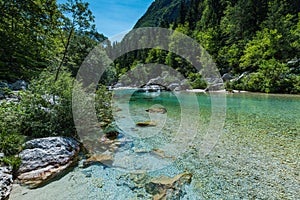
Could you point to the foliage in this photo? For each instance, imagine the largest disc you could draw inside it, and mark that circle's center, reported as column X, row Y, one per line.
column 196, row 81
column 262, row 47
column 44, row 43
column 9, row 128
column 78, row 34
column 45, row 110
column 10, row 137
column 47, row 106
column 12, row 161
column 27, row 31
column 103, row 106
column 255, row 36
column 271, row 77
column 39, row 33
column 165, row 8
column 10, row 144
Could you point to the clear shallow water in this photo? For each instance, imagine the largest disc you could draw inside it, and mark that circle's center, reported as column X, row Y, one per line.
column 257, row 155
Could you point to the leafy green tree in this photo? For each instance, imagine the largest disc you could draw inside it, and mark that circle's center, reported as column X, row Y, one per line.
column 76, row 26
column 271, row 76
column 156, row 56
column 243, row 18
column 263, row 47
column 27, row 35
column 270, row 43
column 296, row 35
column 196, row 81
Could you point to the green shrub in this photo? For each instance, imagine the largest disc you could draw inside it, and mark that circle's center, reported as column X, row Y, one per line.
column 6, row 91
column 10, row 115
column 10, row 143
column 12, row 161
column 45, row 110
column 295, row 80
column 47, row 106
column 196, row 81
column 93, row 110
column 103, row 105
column 271, row 77
column 10, row 137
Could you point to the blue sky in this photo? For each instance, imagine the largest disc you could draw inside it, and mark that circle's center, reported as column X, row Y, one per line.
column 115, row 16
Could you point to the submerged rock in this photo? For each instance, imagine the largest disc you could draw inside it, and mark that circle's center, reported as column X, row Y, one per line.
column 157, row 110
column 168, row 188
column 6, row 181
column 105, row 158
column 143, row 124
column 160, row 153
column 112, row 135
column 43, row 159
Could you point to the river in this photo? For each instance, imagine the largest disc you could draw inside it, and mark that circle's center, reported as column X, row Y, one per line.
column 237, row 146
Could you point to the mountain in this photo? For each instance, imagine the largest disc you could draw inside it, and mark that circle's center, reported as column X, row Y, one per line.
column 160, row 11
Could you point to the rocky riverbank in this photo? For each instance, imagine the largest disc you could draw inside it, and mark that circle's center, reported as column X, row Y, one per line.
column 46, row 158
column 100, row 182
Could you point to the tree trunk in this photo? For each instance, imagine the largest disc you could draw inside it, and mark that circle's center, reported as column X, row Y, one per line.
column 65, row 54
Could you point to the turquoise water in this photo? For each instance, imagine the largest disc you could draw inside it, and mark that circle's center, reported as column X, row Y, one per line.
column 256, row 155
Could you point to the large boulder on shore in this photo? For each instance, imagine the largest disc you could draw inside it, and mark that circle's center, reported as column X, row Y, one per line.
column 43, row 159
column 6, row 181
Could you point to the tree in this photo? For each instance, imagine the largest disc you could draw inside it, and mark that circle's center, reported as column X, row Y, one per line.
column 77, row 20
column 272, row 76
column 296, row 35
column 27, row 34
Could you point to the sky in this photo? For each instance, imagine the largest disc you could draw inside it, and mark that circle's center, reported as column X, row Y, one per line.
column 116, row 16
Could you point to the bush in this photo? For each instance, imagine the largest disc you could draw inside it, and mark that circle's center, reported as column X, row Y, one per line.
column 10, row 137
column 295, row 80
column 47, row 106
column 196, row 81
column 10, row 143
column 103, row 105
column 271, row 77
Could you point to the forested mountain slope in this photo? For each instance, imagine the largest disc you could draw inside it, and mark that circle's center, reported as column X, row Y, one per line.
column 260, row 38
column 159, row 13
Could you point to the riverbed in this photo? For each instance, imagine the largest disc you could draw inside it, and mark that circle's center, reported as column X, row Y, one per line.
column 237, row 146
